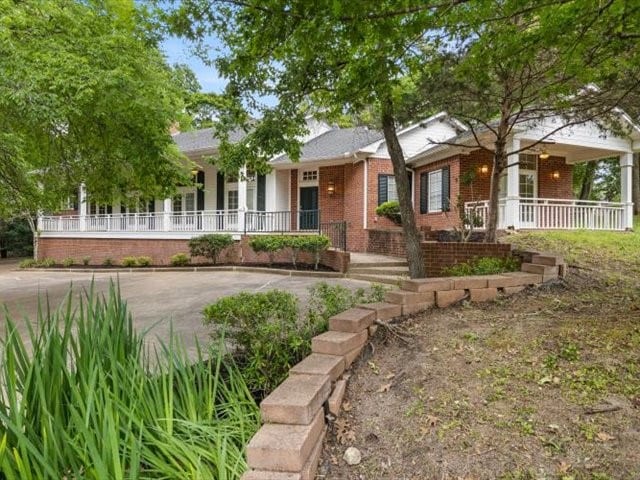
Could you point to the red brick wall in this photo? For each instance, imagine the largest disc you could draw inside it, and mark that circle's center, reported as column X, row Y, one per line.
column 161, row 250
column 548, row 187
column 439, row 255
column 481, row 186
column 354, row 206
column 439, row 220
column 388, row 241
column 332, row 207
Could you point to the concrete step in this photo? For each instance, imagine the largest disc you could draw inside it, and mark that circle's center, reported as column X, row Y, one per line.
column 386, row 279
column 296, row 400
column 380, row 270
column 399, row 263
column 284, row 448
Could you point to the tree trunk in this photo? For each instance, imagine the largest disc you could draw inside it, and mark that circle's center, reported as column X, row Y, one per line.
column 635, row 190
column 499, row 164
column 34, row 230
column 587, row 180
column 409, row 228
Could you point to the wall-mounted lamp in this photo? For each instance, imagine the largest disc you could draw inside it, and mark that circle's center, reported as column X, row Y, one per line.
column 544, row 154
column 331, row 187
column 194, row 171
column 484, row 169
column 555, row 175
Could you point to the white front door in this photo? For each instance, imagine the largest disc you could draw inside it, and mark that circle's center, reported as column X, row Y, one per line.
column 528, row 182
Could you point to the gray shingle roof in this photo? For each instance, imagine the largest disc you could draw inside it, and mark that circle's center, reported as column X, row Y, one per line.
column 197, row 140
column 335, row 143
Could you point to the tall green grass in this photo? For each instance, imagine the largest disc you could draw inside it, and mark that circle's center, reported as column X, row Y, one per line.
column 88, row 400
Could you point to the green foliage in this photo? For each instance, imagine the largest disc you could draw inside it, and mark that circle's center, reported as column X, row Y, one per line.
column 295, row 245
column 85, row 398
column 68, row 262
column 28, row 263
column 108, row 262
column 179, row 260
column 209, row 246
column 85, row 96
column 316, row 244
column 390, row 210
column 271, row 244
column 86, row 261
column 127, row 262
column 16, row 237
column 144, row 261
column 483, row 266
column 267, row 332
column 46, row 263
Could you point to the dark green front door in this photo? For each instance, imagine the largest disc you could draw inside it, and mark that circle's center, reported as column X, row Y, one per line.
column 309, row 208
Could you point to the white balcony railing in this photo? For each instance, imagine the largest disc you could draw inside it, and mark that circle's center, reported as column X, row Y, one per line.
column 553, row 214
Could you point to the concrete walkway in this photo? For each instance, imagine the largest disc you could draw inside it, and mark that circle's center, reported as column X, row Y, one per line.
column 156, row 299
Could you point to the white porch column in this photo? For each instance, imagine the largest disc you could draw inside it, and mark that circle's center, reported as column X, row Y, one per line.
column 242, row 198
column 167, row 209
column 82, row 206
column 626, row 169
column 512, row 200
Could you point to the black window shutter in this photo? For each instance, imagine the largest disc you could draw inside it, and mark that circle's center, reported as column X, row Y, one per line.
column 220, row 191
column 446, row 189
column 424, row 192
column 123, row 209
column 200, row 191
column 382, row 189
column 109, row 209
column 262, row 193
column 152, row 206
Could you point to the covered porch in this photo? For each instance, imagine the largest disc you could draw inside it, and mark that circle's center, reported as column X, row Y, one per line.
column 530, row 196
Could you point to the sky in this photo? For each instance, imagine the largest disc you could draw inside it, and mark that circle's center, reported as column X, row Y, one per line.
column 179, row 50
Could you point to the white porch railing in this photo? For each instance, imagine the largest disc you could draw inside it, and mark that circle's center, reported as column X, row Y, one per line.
column 554, row 214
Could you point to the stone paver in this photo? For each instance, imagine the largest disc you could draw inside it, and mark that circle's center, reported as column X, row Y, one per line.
column 353, row 320
column 296, row 400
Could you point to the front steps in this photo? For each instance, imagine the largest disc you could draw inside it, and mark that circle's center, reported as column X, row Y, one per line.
column 390, row 272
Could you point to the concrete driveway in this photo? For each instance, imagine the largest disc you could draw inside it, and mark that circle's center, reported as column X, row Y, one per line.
column 157, row 300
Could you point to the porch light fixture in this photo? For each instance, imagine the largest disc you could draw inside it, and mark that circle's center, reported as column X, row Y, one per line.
column 555, row 175
column 331, row 187
column 194, row 171
column 484, row 169
column 544, row 154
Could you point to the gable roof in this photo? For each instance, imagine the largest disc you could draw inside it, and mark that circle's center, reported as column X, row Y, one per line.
column 333, row 144
column 203, row 139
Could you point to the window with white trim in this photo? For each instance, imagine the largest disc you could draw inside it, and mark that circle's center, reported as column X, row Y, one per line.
column 310, row 175
column 387, row 190
column 435, row 191
column 232, row 200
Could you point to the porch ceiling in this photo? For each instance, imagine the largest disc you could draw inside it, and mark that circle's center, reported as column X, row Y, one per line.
column 572, row 153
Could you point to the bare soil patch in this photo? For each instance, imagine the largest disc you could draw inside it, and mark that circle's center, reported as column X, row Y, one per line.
column 541, row 385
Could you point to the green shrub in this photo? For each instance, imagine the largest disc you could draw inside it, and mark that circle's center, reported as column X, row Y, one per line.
column 390, row 210
column 179, row 260
column 28, row 263
column 264, row 329
column 315, row 244
column 67, row 262
column 483, row 266
column 209, row 246
column 267, row 332
column 271, row 244
column 128, row 262
column 86, row 260
column 86, row 398
column 144, row 261
column 294, row 243
column 108, row 262
column 46, row 263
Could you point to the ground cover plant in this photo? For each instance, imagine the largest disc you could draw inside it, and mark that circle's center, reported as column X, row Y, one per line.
column 541, row 385
column 85, row 398
column 483, row 266
column 270, row 331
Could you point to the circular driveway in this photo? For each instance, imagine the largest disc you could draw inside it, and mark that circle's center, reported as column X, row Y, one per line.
column 158, row 301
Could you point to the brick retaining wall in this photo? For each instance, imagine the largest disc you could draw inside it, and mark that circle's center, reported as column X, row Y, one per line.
column 440, row 255
column 161, row 251
column 387, row 241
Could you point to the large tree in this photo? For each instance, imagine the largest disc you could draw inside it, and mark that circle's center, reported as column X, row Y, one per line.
column 336, row 58
column 85, row 96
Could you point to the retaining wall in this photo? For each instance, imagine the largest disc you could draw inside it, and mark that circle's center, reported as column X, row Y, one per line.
column 289, row 444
